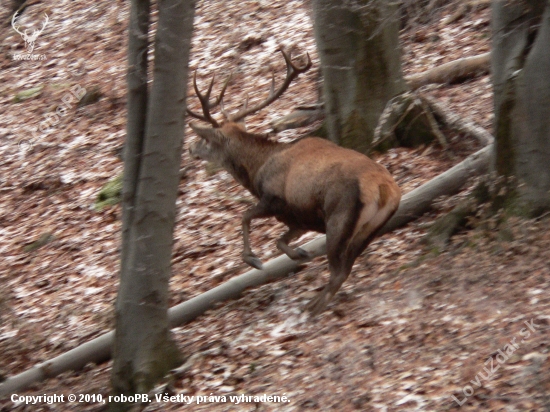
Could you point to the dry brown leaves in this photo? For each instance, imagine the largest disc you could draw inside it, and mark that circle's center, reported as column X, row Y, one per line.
column 407, row 331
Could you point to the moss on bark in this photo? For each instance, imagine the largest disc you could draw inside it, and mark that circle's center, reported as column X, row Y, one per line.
column 355, row 133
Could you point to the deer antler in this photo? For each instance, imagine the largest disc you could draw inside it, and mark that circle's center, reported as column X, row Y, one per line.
column 292, row 71
column 206, row 104
column 13, row 19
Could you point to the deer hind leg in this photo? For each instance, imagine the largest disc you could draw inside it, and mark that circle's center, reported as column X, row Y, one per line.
column 347, row 237
column 341, row 260
column 258, row 211
column 283, row 244
column 340, row 228
column 339, row 271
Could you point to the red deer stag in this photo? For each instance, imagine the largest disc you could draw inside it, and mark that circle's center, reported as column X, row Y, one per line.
column 309, row 184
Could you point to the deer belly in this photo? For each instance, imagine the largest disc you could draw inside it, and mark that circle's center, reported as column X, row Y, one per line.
column 311, row 219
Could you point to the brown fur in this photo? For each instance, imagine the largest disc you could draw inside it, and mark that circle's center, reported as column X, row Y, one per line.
column 384, row 196
column 310, row 184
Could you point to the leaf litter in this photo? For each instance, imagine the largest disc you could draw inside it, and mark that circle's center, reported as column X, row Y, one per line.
column 408, row 330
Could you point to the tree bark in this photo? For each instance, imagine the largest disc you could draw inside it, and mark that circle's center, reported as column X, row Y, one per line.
column 358, row 44
column 521, row 69
column 413, row 205
column 143, row 350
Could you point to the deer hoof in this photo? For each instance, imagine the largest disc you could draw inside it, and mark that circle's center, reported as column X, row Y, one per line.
column 318, row 304
column 253, row 261
column 302, row 254
column 298, row 254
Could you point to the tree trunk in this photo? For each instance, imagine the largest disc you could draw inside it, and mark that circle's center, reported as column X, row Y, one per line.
column 358, row 44
column 520, row 62
column 143, row 350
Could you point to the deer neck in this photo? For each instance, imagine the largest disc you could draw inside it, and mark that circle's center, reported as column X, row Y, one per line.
column 248, row 157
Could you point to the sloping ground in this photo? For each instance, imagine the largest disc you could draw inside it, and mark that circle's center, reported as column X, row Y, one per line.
column 408, row 330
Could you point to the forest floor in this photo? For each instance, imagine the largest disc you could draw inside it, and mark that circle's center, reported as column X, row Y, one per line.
column 465, row 328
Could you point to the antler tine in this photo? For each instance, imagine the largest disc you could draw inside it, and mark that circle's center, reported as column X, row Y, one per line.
column 195, row 115
column 206, row 104
column 219, row 100
column 292, row 71
column 245, row 105
column 272, row 89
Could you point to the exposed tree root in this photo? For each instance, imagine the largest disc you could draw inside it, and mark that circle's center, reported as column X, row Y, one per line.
column 457, row 123
column 407, row 121
column 486, row 207
column 441, row 231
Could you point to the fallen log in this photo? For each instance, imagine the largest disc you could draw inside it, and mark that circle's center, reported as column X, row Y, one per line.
column 299, row 117
column 98, row 350
column 463, row 8
column 452, row 72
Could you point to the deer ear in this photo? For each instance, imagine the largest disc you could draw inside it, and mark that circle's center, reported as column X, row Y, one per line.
column 242, row 125
column 207, row 133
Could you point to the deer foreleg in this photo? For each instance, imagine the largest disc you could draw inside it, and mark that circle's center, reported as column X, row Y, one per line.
column 283, row 244
column 253, row 213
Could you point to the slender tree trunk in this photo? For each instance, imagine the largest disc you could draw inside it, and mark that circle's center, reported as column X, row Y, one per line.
column 358, row 44
column 521, row 77
column 143, row 350
column 137, row 113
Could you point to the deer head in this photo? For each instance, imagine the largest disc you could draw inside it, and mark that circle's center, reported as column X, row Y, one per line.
column 216, row 141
